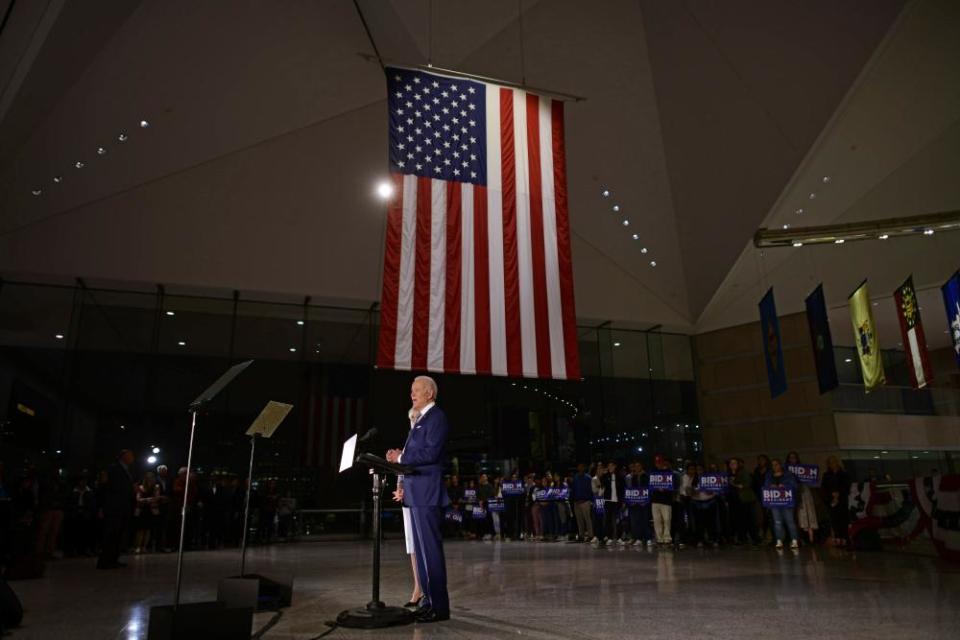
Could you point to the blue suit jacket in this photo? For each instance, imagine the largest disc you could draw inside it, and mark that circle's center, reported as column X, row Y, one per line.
column 425, row 451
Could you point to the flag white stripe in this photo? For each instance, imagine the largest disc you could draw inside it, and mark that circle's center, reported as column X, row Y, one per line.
column 528, row 321
column 438, row 274
column 558, row 363
column 498, row 324
column 468, row 339
column 404, row 347
column 917, row 362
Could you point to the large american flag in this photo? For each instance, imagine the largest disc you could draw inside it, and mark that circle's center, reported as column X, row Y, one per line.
column 477, row 269
column 329, row 422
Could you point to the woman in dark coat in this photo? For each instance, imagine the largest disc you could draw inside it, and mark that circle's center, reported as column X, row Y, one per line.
column 835, row 485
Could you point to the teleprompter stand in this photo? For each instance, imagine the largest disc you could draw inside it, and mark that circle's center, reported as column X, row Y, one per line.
column 209, row 620
column 376, row 614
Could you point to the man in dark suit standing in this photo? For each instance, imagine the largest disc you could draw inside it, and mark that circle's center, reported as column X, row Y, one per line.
column 118, row 499
column 425, row 495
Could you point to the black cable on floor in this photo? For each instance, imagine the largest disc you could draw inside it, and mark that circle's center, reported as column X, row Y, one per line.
column 271, row 624
column 333, row 627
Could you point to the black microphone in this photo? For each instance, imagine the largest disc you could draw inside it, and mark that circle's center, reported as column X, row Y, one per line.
column 369, row 434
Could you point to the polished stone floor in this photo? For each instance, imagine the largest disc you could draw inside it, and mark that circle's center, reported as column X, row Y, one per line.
column 538, row 591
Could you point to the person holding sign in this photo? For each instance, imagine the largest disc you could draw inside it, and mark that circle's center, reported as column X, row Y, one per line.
column 423, row 492
column 780, row 478
column 582, row 496
column 613, row 499
column 638, row 501
column 662, row 496
column 743, row 501
column 807, row 513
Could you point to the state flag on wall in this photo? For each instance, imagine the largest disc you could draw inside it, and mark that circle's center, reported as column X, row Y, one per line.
column 822, row 340
column 865, row 337
column 477, row 274
column 772, row 346
column 951, row 300
column 914, row 342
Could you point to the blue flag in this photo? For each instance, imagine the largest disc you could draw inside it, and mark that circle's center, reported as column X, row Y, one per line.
column 951, row 300
column 772, row 348
column 822, row 341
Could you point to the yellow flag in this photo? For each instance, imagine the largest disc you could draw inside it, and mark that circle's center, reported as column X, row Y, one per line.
column 865, row 336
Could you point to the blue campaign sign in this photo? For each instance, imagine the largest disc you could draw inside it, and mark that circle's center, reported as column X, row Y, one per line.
column 453, row 516
column 598, row 507
column 469, row 495
column 639, row 497
column 552, row 494
column 511, row 488
column 479, row 513
column 712, row 482
column 495, row 505
column 777, row 497
column 661, row 481
column 806, row 473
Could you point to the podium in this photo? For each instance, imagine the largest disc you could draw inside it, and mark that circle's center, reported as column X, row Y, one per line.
column 375, row 614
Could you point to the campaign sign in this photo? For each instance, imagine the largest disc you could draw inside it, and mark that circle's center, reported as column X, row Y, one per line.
column 661, row 481
column 453, row 516
column 712, row 482
column 598, row 506
column 511, row 488
column 639, row 497
column 558, row 493
column 806, row 473
column 469, row 495
column 479, row 513
column 495, row 505
column 777, row 497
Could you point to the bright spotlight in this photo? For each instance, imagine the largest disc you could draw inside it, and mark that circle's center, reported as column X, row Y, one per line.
column 385, row 190
column 152, row 460
column 156, row 449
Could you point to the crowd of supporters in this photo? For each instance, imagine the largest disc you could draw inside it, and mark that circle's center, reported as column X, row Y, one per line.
column 590, row 505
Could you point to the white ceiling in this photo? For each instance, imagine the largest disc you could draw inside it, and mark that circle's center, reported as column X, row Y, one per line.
column 267, row 134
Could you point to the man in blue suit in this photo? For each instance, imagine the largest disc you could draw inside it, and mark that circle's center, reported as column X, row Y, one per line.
column 424, row 493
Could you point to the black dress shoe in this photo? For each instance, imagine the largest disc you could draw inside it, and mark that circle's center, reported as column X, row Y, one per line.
column 429, row 614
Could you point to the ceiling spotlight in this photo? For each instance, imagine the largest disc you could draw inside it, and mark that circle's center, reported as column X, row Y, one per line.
column 643, row 250
column 928, row 232
column 101, row 151
column 786, row 226
column 799, row 211
column 653, row 263
column 812, row 196
column 636, row 236
column 156, row 449
column 797, row 243
column 626, row 223
column 79, row 164
column 616, row 208
column 152, row 460
column 826, row 179
column 384, row 190
column 57, row 179
column 59, row 336
column 37, row 192
column 182, row 343
column 884, row 236
column 848, row 360
column 300, row 323
column 605, row 193
column 616, row 344
column 293, row 349
column 144, row 124
column 122, row 137
column 839, row 241
column 171, row 313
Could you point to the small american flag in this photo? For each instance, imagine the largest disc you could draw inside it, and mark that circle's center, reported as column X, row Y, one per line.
column 477, row 269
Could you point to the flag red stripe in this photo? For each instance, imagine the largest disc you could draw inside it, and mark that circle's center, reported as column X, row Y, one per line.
column 540, row 313
column 481, row 252
column 563, row 243
column 451, row 322
column 511, row 277
column 391, row 277
column 421, row 286
column 327, row 436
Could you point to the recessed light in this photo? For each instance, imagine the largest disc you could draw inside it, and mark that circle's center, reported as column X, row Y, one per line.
column 605, row 193
column 616, row 208
column 626, row 223
column 812, row 196
column 653, row 263
column 384, row 190
column 839, row 241
column 300, row 322
column 144, row 124
column 122, row 137
column 79, row 164
column 171, row 313
column 799, row 211
column 616, row 344
column 848, row 360
column 182, row 343
column 101, row 151
column 884, row 452
column 826, row 179
column 37, row 192
column 636, row 236
column 928, row 232
column 786, row 226
column 57, row 179
column 797, row 243
column 643, row 250
column 884, row 236
column 293, row 349
column 59, row 336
